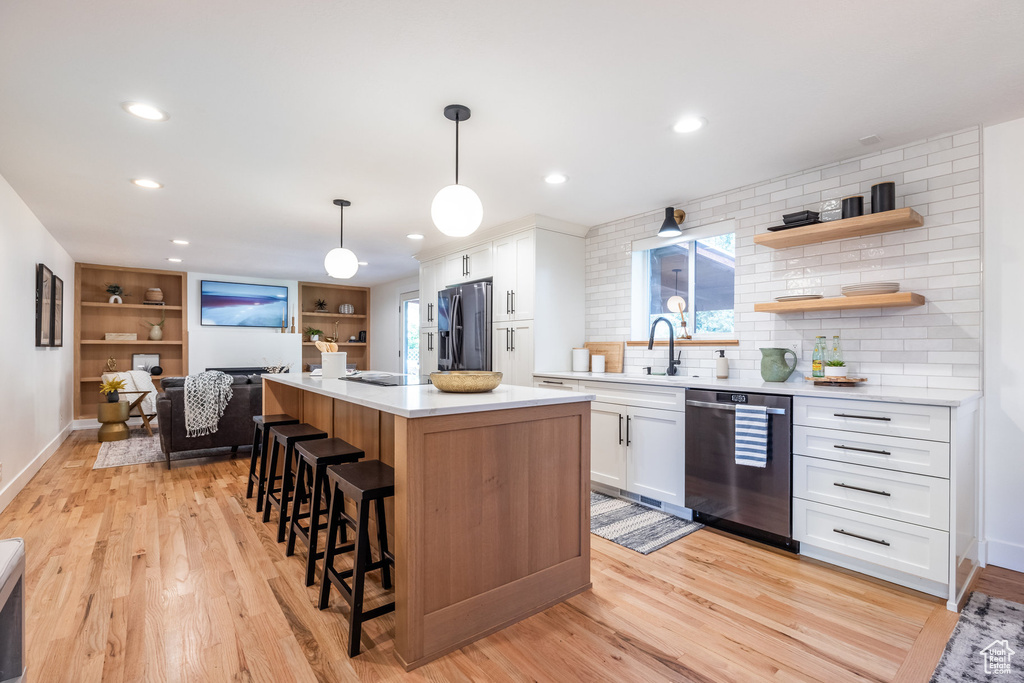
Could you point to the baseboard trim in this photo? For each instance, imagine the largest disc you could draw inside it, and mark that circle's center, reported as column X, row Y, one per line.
column 1007, row 555
column 19, row 481
column 91, row 423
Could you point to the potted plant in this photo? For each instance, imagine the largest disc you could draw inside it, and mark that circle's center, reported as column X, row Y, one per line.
column 835, row 368
column 115, row 291
column 320, row 305
column 110, row 389
column 156, row 330
column 313, row 333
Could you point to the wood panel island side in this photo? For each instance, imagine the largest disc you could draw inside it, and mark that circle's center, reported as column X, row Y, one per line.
column 491, row 517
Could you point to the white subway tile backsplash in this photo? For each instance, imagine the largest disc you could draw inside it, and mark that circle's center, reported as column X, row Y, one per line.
column 933, row 345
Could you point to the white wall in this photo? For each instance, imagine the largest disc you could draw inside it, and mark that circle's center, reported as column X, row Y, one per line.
column 36, row 404
column 1004, row 334
column 384, row 326
column 218, row 347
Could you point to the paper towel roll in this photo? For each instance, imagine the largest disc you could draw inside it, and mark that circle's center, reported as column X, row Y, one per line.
column 581, row 360
column 335, row 364
column 597, row 363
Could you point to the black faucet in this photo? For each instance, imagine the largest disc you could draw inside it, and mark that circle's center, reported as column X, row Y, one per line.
column 672, row 360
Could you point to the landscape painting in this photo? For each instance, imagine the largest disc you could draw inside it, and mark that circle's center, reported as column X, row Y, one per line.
column 237, row 304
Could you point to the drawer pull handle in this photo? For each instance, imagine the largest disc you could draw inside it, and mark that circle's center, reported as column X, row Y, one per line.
column 858, row 488
column 863, row 417
column 863, row 538
column 862, row 450
column 550, row 381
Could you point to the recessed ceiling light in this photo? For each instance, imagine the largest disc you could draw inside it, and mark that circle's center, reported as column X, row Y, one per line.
column 181, row 242
column 689, row 124
column 555, row 178
column 145, row 111
column 174, row 260
column 414, row 236
column 363, row 263
column 147, row 183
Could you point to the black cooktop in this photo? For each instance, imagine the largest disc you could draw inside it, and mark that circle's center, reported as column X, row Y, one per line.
column 391, row 381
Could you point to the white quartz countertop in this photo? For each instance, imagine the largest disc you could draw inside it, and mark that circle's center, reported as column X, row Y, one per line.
column 862, row 392
column 424, row 400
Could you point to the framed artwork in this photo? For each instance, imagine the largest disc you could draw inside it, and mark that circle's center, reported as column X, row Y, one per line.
column 44, row 305
column 145, row 361
column 57, row 309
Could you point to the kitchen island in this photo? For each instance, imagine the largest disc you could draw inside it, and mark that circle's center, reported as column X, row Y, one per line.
column 491, row 517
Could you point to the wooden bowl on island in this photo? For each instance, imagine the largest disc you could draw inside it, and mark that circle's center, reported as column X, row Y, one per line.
column 465, row 381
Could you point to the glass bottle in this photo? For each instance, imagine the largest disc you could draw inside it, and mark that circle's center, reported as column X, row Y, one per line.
column 818, row 359
column 836, row 353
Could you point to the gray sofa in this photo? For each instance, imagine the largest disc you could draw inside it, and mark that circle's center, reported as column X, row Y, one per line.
column 235, row 425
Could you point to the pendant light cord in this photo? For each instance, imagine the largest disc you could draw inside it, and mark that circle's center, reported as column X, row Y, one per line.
column 341, row 229
column 456, row 148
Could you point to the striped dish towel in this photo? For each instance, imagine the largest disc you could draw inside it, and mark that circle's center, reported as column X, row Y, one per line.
column 752, row 435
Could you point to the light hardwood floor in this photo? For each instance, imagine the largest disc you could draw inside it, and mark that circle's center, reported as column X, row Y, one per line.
column 140, row 574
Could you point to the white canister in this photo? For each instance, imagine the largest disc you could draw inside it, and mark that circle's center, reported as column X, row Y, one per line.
column 334, row 364
column 597, row 364
column 580, row 360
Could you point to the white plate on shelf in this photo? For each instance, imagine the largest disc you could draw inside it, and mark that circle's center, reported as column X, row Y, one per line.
column 799, row 297
column 869, row 291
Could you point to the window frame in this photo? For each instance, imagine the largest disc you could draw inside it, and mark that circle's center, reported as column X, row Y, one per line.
column 640, row 284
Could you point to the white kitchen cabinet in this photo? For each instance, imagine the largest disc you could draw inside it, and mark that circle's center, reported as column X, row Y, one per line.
column 431, row 275
column 428, row 350
column 608, row 444
column 561, row 384
column 474, row 263
column 512, row 353
column 655, row 456
column 515, row 275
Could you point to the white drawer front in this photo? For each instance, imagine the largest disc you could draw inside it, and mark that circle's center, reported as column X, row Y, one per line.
column 891, row 452
column 633, row 395
column 896, row 495
column 552, row 383
column 873, row 417
column 908, row 548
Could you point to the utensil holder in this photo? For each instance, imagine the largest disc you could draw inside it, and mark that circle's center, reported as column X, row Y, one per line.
column 853, row 206
column 883, row 197
column 334, row 364
column 580, row 360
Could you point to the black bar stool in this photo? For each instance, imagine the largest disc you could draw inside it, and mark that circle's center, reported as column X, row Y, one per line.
column 314, row 457
column 278, row 497
column 258, row 459
column 363, row 482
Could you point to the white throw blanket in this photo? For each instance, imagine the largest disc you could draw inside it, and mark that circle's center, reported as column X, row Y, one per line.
column 206, row 396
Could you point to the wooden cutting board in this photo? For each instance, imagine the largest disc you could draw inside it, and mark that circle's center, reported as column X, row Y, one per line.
column 612, row 352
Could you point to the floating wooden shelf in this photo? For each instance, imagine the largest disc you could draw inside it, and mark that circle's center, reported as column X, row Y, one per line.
column 339, row 344
column 689, row 342
column 164, row 342
column 871, row 224
column 843, row 302
column 134, row 307
column 334, row 315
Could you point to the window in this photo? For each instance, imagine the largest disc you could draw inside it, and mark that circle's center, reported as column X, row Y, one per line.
column 700, row 268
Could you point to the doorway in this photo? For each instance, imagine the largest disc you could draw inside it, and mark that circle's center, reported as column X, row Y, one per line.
column 409, row 333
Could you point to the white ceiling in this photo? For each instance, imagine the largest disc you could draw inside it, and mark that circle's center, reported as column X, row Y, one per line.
column 279, row 107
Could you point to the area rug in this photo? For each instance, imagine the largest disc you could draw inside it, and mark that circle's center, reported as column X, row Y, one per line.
column 141, row 448
column 634, row 526
column 987, row 644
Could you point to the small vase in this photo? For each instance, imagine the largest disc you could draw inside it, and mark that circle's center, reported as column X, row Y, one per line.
column 154, row 294
column 113, row 397
column 314, row 337
column 156, row 333
column 114, row 299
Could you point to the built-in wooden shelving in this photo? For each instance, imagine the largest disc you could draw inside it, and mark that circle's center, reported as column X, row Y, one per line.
column 905, row 299
column 871, row 224
column 94, row 317
column 340, row 325
column 340, row 316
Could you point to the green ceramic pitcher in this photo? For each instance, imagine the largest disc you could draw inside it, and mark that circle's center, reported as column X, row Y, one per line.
column 774, row 367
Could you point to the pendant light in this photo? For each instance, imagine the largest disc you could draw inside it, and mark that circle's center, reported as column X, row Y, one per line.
column 456, row 209
column 340, row 262
column 670, row 228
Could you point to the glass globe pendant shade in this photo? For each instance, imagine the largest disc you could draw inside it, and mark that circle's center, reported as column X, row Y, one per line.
column 457, row 211
column 341, row 263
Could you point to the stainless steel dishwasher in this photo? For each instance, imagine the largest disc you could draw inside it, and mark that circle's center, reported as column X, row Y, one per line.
column 750, row 501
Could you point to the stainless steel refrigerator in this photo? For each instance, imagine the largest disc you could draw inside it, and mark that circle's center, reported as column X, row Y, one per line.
column 464, row 327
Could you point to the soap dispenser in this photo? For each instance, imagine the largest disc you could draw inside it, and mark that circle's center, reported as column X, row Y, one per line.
column 721, row 365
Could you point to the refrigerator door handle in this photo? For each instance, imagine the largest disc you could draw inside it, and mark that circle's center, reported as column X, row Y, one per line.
column 456, row 336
